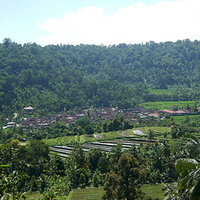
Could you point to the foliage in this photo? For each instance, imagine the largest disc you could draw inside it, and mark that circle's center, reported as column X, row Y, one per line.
column 122, row 181
column 57, row 78
column 57, row 188
column 13, row 185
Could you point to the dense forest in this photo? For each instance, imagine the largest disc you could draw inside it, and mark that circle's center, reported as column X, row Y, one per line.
column 56, row 78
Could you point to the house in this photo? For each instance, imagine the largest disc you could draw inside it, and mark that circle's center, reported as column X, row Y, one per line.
column 28, row 109
column 11, row 124
column 153, row 115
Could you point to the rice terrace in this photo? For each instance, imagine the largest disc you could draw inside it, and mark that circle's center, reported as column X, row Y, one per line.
column 161, row 105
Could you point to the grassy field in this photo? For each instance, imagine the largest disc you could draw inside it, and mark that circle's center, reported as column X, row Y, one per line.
column 160, row 91
column 154, row 190
column 166, row 104
column 88, row 193
column 96, row 193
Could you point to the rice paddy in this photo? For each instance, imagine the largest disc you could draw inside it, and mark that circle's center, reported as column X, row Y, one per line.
column 154, row 191
column 160, row 105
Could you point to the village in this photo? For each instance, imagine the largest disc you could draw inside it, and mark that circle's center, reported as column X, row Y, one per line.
column 98, row 114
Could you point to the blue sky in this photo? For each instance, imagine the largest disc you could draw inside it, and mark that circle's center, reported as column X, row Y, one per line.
column 98, row 21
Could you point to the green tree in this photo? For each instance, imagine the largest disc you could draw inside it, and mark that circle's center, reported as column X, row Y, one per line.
column 82, row 180
column 89, row 129
column 117, row 152
column 38, row 157
column 110, row 126
column 122, row 183
column 83, row 122
column 188, row 180
column 7, row 42
column 78, row 156
column 105, row 163
column 94, row 155
column 105, row 126
column 13, row 185
column 127, row 124
column 150, row 134
column 193, row 147
column 95, row 180
column 117, row 124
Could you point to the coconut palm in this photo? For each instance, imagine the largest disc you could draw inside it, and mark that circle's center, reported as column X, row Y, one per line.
column 193, row 147
column 189, row 177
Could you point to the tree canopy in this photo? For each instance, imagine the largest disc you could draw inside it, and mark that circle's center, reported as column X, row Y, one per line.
column 57, row 78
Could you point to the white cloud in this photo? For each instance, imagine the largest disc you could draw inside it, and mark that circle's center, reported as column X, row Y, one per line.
column 164, row 21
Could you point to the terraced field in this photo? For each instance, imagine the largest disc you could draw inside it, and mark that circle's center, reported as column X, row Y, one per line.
column 108, row 136
column 167, row 104
column 65, row 151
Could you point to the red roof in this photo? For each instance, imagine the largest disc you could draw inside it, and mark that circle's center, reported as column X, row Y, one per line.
column 180, row 111
column 153, row 114
column 169, row 111
column 174, row 112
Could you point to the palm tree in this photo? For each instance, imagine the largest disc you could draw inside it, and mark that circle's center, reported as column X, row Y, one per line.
column 150, row 134
column 193, row 147
column 189, row 178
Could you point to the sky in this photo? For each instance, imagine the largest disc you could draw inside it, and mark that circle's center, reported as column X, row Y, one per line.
column 99, row 22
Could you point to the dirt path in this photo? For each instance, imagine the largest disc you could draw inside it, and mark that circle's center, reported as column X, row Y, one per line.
column 15, row 115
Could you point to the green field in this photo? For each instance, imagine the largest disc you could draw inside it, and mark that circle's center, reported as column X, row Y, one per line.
column 86, row 138
column 160, row 91
column 154, row 190
column 88, row 193
column 166, row 104
column 158, row 131
column 182, row 118
column 96, row 193
column 114, row 135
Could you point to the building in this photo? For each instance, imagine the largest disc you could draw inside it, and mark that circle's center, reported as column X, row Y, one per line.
column 175, row 113
column 28, row 109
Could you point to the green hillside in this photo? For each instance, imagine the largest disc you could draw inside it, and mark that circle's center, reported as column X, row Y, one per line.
column 56, row 78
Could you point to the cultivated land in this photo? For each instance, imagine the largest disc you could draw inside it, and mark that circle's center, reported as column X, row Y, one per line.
column 182, row 118
column 105, row 141
column 114, row 135
column 160, row 105
column 96, row 193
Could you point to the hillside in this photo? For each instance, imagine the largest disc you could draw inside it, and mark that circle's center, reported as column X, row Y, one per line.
column 56, row 78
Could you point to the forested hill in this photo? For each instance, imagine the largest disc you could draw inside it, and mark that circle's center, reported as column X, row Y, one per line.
column 56, row 78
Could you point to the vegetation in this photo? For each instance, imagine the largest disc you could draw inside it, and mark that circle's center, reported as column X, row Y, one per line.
column 169, row 105
column 87, row 193
column 56, row 78
column 96, row 193
column 121, row 173
column 160, row 91
column 65, row 78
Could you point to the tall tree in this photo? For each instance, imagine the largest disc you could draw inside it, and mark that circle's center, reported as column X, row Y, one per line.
column 122, row 183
